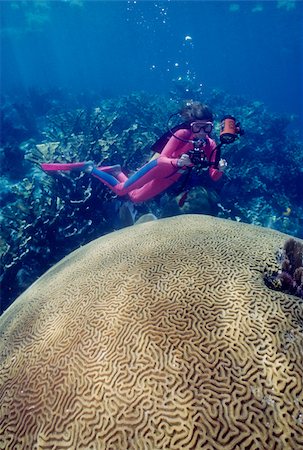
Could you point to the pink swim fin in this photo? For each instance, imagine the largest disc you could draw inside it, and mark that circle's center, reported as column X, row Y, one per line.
column 49, row 167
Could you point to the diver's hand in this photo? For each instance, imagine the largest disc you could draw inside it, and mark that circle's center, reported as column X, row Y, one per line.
column 222, row 165
column 184, row 160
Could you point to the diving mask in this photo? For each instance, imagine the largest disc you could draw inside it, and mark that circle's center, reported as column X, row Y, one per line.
column 207, row 127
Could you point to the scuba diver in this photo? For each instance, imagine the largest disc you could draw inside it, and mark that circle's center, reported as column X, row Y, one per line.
column 178, row 151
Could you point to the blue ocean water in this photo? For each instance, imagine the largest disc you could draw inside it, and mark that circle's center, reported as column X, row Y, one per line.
column 250, row 48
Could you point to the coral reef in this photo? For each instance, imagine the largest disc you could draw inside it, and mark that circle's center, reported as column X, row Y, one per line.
column 289, row 277
column 266, row 153
column 196, row 200
column 158, row 336
column 59, row 213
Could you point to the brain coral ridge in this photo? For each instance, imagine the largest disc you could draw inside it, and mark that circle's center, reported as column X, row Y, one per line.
column 158, row 336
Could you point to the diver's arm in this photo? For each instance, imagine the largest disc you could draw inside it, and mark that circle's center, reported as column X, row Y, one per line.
column 175, row 148
column 215, row 173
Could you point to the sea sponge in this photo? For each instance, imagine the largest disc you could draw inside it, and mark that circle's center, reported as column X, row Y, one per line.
column 158, row 336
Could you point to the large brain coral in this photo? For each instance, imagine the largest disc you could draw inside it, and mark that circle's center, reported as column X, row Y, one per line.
column 159, row 336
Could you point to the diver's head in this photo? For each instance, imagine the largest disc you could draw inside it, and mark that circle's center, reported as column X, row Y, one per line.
column 199, row 117
column 194, row 111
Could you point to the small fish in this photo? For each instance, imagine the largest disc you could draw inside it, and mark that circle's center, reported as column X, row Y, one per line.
column 183, row 199
column 287, row 212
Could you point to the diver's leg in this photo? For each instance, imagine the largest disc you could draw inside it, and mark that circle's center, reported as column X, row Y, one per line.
column 149, row 172
column 126, row 185
column 114, row 171
column 105, row 178
column 153, row 188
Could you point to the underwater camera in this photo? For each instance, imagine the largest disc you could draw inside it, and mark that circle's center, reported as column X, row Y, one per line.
column 230, row 130
column 197, row 157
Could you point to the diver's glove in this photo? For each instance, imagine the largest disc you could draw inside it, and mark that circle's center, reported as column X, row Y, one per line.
column 184, row 160
column 222, row 165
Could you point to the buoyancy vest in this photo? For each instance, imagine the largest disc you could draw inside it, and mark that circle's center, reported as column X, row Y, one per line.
column 159, row 145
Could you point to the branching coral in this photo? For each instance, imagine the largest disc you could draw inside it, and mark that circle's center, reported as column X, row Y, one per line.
column 289, row 277
column 47, row 217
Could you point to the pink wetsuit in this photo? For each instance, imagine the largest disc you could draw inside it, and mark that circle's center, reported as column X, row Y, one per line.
column 158, row 174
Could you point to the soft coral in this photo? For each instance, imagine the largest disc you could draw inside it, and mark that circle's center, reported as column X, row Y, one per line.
column 289, row 277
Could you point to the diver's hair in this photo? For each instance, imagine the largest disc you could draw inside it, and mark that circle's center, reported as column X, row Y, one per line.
column 196, row 111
